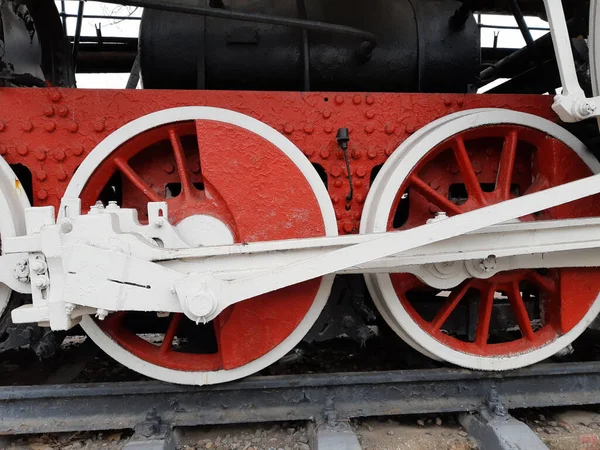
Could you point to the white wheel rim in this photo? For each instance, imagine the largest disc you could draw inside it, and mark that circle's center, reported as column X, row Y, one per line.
column 376, row 215
column 13, row 202
column 132, row 129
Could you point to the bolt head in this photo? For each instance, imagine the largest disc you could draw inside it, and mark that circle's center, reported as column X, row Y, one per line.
column 41, row 282
column 101, row 313
column 66, row 226
column 201, row 305
column 488, row 264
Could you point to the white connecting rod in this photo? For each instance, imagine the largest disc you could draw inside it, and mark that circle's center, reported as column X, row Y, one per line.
column 221, row 293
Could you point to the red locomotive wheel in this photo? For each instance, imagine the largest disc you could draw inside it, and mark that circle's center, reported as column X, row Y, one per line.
column 475, row 167
column 259, row 187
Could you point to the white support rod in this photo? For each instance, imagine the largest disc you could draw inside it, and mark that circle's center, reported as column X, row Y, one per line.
column 238, row 289
column 562, row 47
column 501, row 241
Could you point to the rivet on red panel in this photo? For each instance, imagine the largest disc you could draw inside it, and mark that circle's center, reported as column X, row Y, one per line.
column 328, row 129
column 59, row 155
column 326, row 114
column 338, row 183
column 22, row 150
column 372, row 154
column 49, row 111
column 388, row 152
column 99, row 126
column 63, row 111
column 336, row 171
column 77, row 150
column 288, row 128
column 348, row 227
column 339, row 99
column 73, row 127
column 324, row 153
column 169, row 168
column 361, row 172
column 42, row 194
column 369, row 114
column 308, row 129
column 390, row 128
column 370, row 100
column 40, row 154
column 357, row 99
column 356, row 153
column 50, row 126
column 55, row 95
column 369, row 128
column 3, row 150
column 41, row 175
column 61, row 175
column 27, row 126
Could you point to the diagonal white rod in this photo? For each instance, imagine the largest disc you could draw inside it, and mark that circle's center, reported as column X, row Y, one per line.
column 237, row 289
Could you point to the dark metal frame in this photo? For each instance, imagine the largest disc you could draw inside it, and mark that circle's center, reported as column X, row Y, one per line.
column 78, row 407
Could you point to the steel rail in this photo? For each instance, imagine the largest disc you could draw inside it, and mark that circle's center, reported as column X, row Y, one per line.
column 81, row 407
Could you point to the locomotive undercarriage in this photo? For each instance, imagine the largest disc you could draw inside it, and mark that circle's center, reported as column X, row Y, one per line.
column 219, row 219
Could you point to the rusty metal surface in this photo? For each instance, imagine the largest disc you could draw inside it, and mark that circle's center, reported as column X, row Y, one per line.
column 40, row 409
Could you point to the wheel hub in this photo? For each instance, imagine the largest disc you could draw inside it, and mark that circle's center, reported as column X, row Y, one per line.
column 201, row 230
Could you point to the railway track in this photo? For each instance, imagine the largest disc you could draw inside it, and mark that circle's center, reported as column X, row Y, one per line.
column 327, row 400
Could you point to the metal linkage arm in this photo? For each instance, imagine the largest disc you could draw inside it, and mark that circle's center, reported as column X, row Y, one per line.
column 218, row 294
column 571, row 104
column 106, row 261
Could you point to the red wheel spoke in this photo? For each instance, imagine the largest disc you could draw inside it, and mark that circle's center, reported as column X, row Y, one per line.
column 167, row 342
column 539, row 184
column 466, row 169
column 433, row 196
column 507, row 164
column 518, row 306
column 547, row 285
column 486, row 305
column 186, row 183
column 449, row 306
column 136, row 180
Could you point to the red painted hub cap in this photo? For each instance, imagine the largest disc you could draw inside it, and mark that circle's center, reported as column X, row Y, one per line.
column 476, row 168
column 221, row 170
